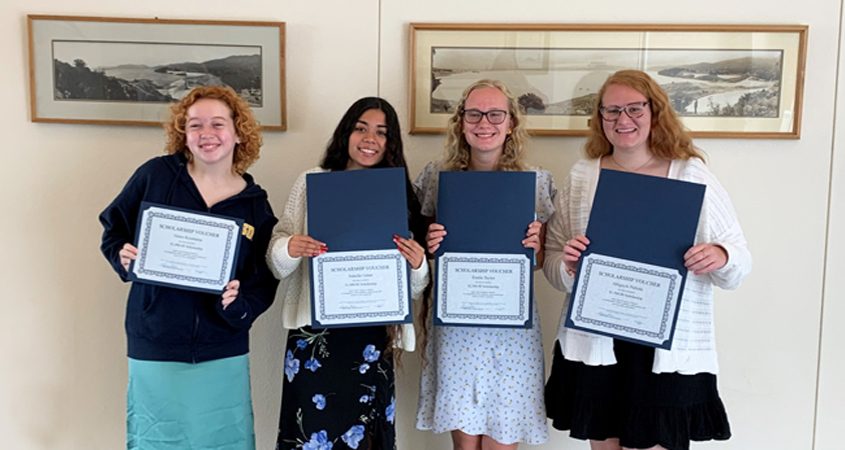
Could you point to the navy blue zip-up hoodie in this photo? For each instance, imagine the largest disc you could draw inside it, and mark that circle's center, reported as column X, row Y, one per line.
column 166, row 324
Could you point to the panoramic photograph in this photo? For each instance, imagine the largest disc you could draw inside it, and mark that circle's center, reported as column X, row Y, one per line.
column 152, row 72
column 700, row 83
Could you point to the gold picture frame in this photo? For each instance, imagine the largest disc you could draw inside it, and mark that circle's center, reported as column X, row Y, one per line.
column 725, row 81
column 122, row 71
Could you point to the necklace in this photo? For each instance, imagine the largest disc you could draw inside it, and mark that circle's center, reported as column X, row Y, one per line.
column 627, row 169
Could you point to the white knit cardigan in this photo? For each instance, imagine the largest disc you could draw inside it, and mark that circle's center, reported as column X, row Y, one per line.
column 294, row 292
column 693, row 347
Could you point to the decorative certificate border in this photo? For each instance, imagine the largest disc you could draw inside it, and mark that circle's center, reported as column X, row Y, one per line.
column 153, row 212
column 521, row 320
column 322, row 318
column 660, row 337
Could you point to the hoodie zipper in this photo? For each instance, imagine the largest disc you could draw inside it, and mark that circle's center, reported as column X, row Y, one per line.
column 196, row 193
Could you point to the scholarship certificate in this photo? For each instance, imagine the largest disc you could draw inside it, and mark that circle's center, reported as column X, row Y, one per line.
column 484, row 289
column 630, row 280
column 628, row 299
column 185, row 249
column 483, row 275
column 363, row 280
column 351, row 287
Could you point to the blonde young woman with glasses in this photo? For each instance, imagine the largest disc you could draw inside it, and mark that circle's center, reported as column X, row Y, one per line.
column 484, row 385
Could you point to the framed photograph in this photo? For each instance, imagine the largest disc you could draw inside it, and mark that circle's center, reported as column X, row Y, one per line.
column 725, row 81
column 103, row 70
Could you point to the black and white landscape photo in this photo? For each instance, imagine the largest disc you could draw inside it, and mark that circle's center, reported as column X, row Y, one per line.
column 700, row 83
column 151, row 72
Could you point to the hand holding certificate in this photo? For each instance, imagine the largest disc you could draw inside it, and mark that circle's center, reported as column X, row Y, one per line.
column 484, row 275
column 631, row 276
column 363, row 280
column 185, row 249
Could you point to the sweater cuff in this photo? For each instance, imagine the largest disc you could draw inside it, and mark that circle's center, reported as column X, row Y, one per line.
column 731, row 252
column 280, row 261
column 419, row 279
column 567, row 279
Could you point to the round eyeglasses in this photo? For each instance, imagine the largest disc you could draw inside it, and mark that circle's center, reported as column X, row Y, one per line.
column 494, row 116
column 633, row 110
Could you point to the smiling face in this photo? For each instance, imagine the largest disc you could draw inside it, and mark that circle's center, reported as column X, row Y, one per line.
column 484, row 137
column 367, row 140
column 210, row 132
column 625, row 133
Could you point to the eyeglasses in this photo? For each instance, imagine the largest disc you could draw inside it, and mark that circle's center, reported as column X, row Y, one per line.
column 494, row 116
column 633, row 110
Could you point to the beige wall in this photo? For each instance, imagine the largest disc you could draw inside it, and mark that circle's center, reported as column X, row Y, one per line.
column 63, row 377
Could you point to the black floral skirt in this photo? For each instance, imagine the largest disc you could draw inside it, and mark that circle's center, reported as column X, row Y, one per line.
column 338, row 388
column 630, row 402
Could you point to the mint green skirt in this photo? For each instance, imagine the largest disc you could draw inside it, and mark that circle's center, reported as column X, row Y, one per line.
column 181, row 406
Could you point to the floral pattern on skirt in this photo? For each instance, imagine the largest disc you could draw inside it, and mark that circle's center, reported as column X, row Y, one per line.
column 338, row 390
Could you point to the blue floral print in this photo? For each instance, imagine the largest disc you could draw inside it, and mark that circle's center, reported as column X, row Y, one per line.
column 307, row 338
column 316, row 426
column 390, row 412
column 319, row 401
column 353, row 437
column 291, row 366
column 319, row 441
column 371, row 354
column 312, row 364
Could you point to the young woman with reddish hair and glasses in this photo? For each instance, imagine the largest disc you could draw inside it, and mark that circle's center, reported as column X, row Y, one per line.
column 615, row 393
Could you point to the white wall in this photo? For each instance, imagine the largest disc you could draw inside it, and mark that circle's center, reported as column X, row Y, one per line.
column 831, row 389
column 63, row 377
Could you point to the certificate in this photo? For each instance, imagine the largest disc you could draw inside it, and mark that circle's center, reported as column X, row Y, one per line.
column 364, row 286
column 363, row 280
column 631, row 278
column 628, row 299
column 483, row 275
column 486, row 289
column 185, row 249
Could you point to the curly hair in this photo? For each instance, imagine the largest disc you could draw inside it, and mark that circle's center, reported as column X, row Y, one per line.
column 246, row 127
column 458, row 150
column 668, row 138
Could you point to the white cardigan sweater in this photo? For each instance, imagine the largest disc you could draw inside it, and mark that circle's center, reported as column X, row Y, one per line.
column 295, row 289
column 693, row 348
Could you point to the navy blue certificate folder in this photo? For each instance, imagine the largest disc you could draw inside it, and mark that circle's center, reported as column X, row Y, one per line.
column 485, row 212
column 357, row 209
column 645, row 219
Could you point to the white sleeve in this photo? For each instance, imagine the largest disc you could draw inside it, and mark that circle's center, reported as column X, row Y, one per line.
column 557, row 233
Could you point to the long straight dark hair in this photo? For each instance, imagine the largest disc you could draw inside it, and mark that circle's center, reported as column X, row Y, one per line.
column 337, row 157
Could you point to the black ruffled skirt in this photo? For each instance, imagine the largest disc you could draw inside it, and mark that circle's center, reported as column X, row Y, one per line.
column 627, row 401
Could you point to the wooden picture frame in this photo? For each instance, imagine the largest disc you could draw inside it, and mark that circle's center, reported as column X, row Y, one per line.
column 725, row 81
column 116, row 71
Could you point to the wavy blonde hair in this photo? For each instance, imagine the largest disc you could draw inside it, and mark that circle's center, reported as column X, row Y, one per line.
column 457, row 149
column 247, row 128
column 668, row 138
